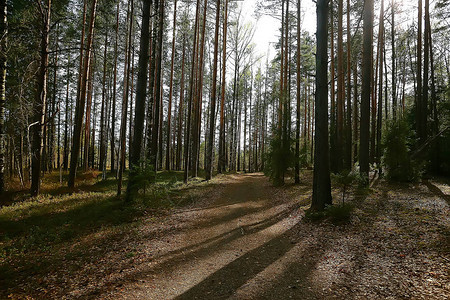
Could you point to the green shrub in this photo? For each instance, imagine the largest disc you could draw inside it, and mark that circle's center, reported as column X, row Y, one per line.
column 397, row 155
column 344, row 180
column 337, row 214
column 279, row 159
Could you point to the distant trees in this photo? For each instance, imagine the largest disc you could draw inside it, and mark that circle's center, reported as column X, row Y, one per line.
column 208, row 100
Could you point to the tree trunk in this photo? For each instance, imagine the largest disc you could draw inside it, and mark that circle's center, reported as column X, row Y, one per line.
column 198, row 102
column 426, row 69
column 222, row 157
column 87, row 123
column 181, row 108
column 113, row 113
column 39, row 105
column 169, row 118
column 341, row 89
column 321, row 181
column 102, row 164
column 419, row 100
column 212, row 113
column 348, row 146
column 394, row 71
column 141, row 89
column 127, row 71
column 366, row 88
column 158, row 71
column 81, row 101
column 380, row 89
column 66, row 122
column 3, row 47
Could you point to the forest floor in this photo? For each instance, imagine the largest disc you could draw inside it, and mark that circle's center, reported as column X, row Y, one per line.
column 235, row 237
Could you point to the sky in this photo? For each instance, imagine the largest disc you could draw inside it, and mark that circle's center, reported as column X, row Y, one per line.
column 267, row 27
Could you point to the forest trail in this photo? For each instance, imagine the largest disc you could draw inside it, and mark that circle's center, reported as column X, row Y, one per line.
column 245, row 239
column 234, row 237
column 232, row 247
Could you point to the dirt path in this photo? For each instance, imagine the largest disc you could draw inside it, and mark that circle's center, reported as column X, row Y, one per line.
column 221, row 246
column 242, row 238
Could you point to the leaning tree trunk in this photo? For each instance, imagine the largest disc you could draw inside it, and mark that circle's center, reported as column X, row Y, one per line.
column 79, row 111
column 321, row 182
column 40, row 104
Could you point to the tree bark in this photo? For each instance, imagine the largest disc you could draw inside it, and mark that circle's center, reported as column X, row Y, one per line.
column 222, row 155
column 321, row 182
column 39, row 106
column 3, row 57
column 366, row 89
column 212, row 113
column 113, row 113
column 126, row 90
column 169, row 118
column 141, row 89
column 81, row 101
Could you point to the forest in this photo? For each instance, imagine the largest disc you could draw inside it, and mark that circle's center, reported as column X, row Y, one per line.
column 152, row 149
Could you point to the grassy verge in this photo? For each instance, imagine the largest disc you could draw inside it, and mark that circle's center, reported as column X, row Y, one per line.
column 44, row 234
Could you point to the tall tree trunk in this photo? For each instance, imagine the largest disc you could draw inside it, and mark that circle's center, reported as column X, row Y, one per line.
column 113, row 113
column 169, row 118
column 191, row 95
column 297, row 132
column 212, row 113
column 126, row 90
column 52, row 127
column 102, row 164
column 341, row 89
column 197, row 112
column 81, row 101
column 222, row 157
column 380, row 89
column 321, row 182
column 333, row 127
column 426, row 69
column 436, row 160
column 3, row 46
column 366, row 88
column 348, row 139
column 355, row 112
column 66, row 122
column 158, row 71
column 181, row 108
column 394, row 71
column 39, row 105
column 141, row 89
column 419, row 107
column 87, row 123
